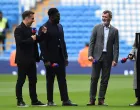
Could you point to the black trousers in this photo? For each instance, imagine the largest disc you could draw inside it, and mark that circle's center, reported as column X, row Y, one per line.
column 30, row 71
column 2, row 39
column 137, row 94
column 61, row 78
column 60, row 73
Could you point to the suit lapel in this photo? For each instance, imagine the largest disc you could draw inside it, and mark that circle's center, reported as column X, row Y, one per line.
column 60, row 30
column 110, row 32
column 102, row 32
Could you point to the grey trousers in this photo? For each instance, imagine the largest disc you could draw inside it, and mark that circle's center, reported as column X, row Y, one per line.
column 103, row 65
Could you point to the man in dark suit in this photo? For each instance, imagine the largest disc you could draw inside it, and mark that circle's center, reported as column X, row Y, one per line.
column 53, row 50
column 26, row 57
column 104, row 48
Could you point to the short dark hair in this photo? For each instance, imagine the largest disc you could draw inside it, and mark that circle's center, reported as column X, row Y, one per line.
column 26, row 14
column 52, row 11
column 109, row 12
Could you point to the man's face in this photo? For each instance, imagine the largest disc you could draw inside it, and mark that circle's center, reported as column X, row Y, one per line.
column 106, row 19
column 56, row 18
column 30, row 19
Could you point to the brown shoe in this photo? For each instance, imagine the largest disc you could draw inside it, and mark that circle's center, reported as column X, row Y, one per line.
column 101, row 102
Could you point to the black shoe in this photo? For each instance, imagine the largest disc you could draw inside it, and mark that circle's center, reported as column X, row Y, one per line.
column 68, row 103
column 91, row 103
column 135, row 104
column 101, row 102
column 51, row 104
column 21, row 104
column 38, row 103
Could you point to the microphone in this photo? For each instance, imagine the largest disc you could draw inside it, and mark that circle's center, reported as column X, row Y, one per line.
column 34, row 31
column 95, row 62
column 54, row 65
column 123, row 60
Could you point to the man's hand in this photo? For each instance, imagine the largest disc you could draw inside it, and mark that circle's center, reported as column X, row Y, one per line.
column 47, row 63
column 90, row 58
column 114, row 63
column 44, row 29
column 33, row 37
column 130, row 56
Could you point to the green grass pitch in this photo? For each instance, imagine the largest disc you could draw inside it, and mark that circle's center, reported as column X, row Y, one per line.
column 119, row 94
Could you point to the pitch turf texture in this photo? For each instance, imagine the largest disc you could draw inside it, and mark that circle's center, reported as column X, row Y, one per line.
column 119, row 93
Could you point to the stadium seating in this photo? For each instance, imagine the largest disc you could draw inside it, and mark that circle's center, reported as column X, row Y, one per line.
column 78, row 20
column 10, row 10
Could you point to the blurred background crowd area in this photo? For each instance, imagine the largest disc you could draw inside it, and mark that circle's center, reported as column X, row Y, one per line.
column 78, row 18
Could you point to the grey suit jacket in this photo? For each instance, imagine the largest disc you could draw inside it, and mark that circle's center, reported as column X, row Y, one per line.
column 96, row 44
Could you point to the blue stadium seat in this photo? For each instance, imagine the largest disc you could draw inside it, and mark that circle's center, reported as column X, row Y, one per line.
column 78, row 23
column 13, row 47
column 10, row 10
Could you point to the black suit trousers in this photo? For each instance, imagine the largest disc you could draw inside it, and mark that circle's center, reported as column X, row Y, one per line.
column 137, row 93
column 60, row 73
column 29, row 70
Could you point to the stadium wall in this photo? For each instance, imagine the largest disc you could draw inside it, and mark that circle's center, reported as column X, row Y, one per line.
column 73, row 68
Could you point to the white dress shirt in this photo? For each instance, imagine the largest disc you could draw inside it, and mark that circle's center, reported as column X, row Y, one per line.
column 106, row 32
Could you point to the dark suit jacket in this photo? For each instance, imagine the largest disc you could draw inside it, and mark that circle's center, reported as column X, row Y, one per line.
column 49, row 47
column 26, row 47
column 97, row 43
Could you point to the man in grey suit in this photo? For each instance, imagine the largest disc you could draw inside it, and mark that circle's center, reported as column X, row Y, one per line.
column 104, row 48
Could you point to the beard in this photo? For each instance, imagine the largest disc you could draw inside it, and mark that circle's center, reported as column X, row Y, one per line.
column 56, row 21
column 29, row 24
column 106, row 22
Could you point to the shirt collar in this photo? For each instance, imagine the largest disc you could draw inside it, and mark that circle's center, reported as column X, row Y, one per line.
column 107, row 27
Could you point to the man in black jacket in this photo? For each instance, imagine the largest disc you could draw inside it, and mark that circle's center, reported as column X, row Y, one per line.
column 53, row 50
column 26, row 57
